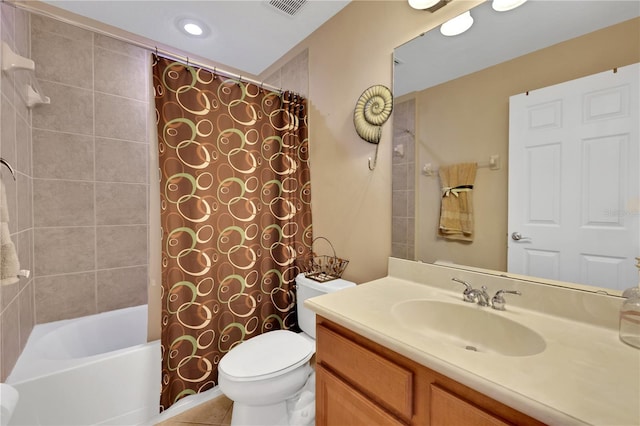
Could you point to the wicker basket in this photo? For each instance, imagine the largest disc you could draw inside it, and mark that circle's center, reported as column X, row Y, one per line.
column 324, row 268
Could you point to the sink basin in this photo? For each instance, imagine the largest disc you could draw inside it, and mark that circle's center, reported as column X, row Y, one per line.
column 471, row 327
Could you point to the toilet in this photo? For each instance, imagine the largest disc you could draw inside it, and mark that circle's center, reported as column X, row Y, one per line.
column 268, row 376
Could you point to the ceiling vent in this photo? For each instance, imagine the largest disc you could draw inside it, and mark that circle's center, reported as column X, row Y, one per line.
column 290, row 7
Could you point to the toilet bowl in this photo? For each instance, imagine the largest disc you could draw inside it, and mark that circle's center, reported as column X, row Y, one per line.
column 265, row 376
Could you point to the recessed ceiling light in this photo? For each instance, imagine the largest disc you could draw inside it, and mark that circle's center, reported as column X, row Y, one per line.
column 457, row 25
column 193, row 27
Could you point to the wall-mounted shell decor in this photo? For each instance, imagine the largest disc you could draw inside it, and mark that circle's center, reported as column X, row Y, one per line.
column 372, row 110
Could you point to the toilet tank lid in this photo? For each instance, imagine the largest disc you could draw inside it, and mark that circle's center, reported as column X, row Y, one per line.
column 325, row 287
column 266, row 354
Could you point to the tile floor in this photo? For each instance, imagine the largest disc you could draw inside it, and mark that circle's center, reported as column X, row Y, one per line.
column 216, row 412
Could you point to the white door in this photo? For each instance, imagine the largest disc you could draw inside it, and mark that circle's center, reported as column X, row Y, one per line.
column 574, row 185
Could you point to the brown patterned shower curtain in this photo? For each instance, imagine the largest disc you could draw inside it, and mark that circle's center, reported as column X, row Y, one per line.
column 236, row 217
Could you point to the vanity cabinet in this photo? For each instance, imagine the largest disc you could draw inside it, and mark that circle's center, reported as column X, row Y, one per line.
column 359, row 382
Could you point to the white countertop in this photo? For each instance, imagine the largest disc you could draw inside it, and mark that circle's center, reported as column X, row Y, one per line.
column 586, row 375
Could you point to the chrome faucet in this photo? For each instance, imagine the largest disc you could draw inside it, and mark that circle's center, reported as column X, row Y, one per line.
column 481, row 296
column 473, row 295
column 498, row 302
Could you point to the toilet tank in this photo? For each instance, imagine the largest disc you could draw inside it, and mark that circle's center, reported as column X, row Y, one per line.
column 308, row 288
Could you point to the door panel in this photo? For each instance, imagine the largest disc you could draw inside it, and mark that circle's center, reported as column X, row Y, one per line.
column 574, row 186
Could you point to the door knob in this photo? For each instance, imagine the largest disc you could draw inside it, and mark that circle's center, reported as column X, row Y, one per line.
column 517, row 237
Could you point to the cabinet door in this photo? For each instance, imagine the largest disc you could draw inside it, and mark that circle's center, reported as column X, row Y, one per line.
column 448, row 409
column 338, row 404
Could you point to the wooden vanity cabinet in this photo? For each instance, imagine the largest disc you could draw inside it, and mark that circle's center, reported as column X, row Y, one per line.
column 359, row 382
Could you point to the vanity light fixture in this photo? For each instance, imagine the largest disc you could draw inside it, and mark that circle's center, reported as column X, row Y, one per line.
column 428, row 5
column 422, row 4
column 504, row 5
column 457, row 25
column 193, row 27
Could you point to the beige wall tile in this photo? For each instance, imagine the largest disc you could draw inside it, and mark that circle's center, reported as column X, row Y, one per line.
column 63, row 203
column 7, row 81
column 120, row 161
column 24, row 247
column 121, row 288
column 21, row 33
column 121, row 47
column 399, row 203
column 122, row 75
column 295, row 74
column 63, row 250
column 8, row 131
column 70, row 110
column 121, row 204
column 65, row 296
column 120, row 118
column 55, row 63
column 8, row 18
column 23, row 146
column 24, row 214
column 72, row 32
column 16, row 300
column 119, row 246
column 68, row 159
column 10, row 338
column 11, row 191
column 27, row 313
column 62, row 155
column 9, row 293
column 21, row 79
column 399, row 229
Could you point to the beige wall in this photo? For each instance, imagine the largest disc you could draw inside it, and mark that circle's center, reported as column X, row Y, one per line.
column 481, row 102
column 352, row 51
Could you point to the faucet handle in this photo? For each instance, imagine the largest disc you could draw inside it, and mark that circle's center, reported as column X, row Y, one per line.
column 498, row 302
column 467, row 294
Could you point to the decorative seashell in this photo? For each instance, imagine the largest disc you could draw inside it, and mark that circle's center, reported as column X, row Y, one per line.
column 372, row 110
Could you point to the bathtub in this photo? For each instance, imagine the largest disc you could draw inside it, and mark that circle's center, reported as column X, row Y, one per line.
column 94, row 370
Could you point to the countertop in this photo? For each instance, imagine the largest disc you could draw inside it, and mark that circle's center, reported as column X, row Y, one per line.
column 586, row 375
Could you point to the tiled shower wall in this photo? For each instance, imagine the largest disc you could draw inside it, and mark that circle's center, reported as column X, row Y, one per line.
column 79, row 206
column 16, row 300
column 90, row 172
column 80, row 202
column 403, row 181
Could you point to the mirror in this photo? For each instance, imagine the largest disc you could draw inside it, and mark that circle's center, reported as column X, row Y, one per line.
column 452, row 106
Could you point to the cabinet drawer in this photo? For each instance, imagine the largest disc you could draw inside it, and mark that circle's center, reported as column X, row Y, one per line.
column 449, row 409
column 388, row 384
column 340, row 404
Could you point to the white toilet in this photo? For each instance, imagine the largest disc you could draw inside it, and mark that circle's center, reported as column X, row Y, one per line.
column 263, row 375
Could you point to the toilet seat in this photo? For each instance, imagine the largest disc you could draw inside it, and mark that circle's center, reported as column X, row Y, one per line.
column 267, row 355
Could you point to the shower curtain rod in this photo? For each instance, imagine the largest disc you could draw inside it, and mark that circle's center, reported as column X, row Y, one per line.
column 213, row 69
column 149, row 47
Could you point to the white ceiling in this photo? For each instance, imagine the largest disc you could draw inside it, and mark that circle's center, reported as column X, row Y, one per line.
column 248, row 35
column 495, row 37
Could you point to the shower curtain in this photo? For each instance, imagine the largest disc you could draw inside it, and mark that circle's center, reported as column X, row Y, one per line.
column 236, row 217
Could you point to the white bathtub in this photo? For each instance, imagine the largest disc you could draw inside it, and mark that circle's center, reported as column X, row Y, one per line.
column 95, row 370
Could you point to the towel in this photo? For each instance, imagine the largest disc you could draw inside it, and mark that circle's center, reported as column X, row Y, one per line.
column 9, row 265
column 456, row 211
